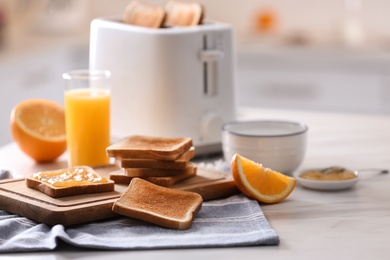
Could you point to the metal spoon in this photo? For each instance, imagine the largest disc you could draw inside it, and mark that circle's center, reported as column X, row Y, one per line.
column 376, row 170
column 335, row 169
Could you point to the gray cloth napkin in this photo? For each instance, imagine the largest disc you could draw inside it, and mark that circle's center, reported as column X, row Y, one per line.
column 233, row 221
column 5, row 174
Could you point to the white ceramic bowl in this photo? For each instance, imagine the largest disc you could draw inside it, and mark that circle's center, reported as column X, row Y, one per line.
column 279, row 145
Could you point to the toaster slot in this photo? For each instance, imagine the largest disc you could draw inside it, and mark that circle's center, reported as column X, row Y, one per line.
column 205, row 68
column 210, row 56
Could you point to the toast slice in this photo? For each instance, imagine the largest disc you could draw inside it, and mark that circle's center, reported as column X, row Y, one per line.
column 162, row 206
column 180, row 13
column 179, row 163
column 165, row 181
column 69, row 182
column 156, row 172
column 148, row 147
column 145, row 15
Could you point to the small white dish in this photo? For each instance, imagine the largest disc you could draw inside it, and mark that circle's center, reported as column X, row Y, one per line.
column 327, row 185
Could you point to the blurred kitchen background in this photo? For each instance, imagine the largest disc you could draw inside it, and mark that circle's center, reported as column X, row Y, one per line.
column 331, row 55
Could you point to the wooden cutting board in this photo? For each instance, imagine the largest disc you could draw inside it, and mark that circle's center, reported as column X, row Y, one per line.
column 17, row 198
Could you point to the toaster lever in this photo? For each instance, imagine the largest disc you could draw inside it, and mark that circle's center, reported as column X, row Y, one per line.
column 210, row 55
column 210, row 59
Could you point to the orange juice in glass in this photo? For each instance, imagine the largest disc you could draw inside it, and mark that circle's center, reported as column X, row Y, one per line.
column 87, row 117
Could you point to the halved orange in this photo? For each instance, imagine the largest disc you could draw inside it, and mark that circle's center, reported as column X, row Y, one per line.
column 38, row 128
column 257, row 182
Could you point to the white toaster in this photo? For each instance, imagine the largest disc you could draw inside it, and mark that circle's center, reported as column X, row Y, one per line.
column 170, row 82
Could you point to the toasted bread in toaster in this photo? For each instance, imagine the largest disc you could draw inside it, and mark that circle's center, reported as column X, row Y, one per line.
column 180, row 13
column 121, row 178
column 162, row 206
column 69, row 182
column 145, row 15
column 147, row 147
column 179, row 163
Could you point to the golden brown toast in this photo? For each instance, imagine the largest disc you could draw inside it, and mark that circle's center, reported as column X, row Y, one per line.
column 156, row 172
column 69, row 182
column 145, row 15
column 166, row 181
column 162, row 206
column 148, row 147
column 179, row 13
column 179, row 163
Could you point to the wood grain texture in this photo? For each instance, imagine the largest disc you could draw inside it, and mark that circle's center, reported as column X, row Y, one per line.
column 17, row 198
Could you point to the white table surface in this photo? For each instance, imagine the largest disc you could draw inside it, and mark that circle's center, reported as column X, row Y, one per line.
column 349, row 224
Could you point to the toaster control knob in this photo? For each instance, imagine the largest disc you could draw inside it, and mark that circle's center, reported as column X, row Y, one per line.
column 211, row 124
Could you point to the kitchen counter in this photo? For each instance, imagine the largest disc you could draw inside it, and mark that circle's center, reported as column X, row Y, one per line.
column 348, row 224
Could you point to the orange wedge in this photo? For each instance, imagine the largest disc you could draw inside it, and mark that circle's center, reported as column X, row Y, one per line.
column 38, row 128
column 257, row 182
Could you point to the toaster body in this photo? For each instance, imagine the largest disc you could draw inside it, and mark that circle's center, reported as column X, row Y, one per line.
column 170, row 82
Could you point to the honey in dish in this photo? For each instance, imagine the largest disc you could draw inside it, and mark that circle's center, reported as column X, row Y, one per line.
column 328, row 174
column 69, row 177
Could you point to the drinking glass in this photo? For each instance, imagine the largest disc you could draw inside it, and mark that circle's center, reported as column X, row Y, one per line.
column 87, row 116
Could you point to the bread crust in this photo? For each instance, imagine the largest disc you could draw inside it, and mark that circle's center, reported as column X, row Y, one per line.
column 121, row 178
column 153, row 172
column 148, row 147
column 179, row 163
column 144, row 15
column 180, row 13
column 162, row 206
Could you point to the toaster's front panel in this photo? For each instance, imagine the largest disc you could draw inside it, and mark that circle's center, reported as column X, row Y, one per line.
column 168, row 84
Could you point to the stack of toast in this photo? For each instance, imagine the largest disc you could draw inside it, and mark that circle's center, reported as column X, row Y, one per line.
column 162, row 161
column 148, row 164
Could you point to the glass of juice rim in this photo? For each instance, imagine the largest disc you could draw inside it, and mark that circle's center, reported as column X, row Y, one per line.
column 87, row 78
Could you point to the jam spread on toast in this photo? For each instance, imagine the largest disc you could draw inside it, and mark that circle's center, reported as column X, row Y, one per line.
column 69, row 177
